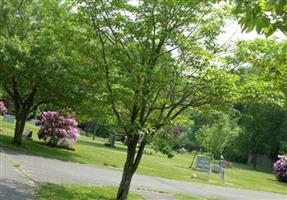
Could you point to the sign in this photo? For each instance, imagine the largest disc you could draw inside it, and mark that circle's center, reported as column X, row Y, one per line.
column 203, row 163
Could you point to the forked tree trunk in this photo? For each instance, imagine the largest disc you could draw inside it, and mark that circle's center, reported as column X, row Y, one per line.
column 132, row 162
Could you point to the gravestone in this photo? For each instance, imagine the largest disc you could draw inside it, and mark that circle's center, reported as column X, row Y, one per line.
column 33, row 121
column 28, row 134
column 66, row 143
column 203, row 163
column 9, row 118
column 216, row 169
column 112, row 141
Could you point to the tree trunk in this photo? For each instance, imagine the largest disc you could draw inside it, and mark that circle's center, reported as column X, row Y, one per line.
column 254, row 160
column 132, row 162
column 125, row 182
column 19, row 128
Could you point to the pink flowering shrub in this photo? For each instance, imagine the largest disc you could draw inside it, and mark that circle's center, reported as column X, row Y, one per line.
column 3, row 108
column 280, row 168
column 55, row 126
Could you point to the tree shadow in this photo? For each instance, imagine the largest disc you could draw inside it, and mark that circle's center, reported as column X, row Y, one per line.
column 277, row 182
column 13, row 190
column 94, row 144
column 36, row 148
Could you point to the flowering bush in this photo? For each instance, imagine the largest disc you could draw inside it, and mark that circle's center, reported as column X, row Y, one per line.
column 55, row 126
column 280, row 168
column 3, row 108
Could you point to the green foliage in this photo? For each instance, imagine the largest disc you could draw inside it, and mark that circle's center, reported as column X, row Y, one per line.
column 152, row 70
column 265, row 16
column 35, row 52
column 217, row 137
column 264, row 130
column 261, row 64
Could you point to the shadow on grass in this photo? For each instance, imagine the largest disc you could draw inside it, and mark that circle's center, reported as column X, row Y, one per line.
column 277, row 182
column 94, row 144
column 250, row 168
column 60, row 192
column 36, row 148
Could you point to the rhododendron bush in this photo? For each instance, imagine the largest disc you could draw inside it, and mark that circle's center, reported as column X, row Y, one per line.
column 3, row 108
column 55, row 127
column 280, row 168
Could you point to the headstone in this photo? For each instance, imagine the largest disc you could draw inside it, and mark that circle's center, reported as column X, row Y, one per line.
column 182, row 150
column 28, row 134
column 82, row 132
column 33, row 121
column 124, row 139
column 112, row 141
column 203, row 163
column 66, row 143
column 216, row 169
column 9, row 118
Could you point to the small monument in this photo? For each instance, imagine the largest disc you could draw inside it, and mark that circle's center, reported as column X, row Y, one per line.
column 9, row 118
column 216, row 169
column 66, row 143
column 34, row 121
column 203, row 163
column 112, row 141
column 28, row 134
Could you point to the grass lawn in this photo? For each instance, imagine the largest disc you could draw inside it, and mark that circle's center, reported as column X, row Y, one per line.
column 95, row 153
column 76, row 192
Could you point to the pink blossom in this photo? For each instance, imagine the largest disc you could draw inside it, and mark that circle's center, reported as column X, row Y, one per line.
column 55, row 126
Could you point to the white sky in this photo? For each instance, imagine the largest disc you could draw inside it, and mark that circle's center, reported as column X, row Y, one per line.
column 233, row 32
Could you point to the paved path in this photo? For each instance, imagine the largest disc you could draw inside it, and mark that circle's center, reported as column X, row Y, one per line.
column 56, row 171
column 13, row 185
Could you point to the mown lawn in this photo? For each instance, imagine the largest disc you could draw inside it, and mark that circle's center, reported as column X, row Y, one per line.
column 153, row 164
column 77, row 192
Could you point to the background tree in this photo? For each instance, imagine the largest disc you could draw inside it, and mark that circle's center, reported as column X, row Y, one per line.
column 155, row 59
column 35, row 61
column 261, row 64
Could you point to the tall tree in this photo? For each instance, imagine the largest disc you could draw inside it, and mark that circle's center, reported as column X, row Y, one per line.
column 35, row 61
column 155, row 59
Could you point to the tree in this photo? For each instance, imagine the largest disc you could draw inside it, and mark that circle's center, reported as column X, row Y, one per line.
column 155, row 60
column 261, row 64
column 35, row 61
column 263, row 130
column 266, row 16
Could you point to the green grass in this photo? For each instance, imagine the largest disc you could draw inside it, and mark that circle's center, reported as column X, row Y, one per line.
column 95, row 153
column 77, row 192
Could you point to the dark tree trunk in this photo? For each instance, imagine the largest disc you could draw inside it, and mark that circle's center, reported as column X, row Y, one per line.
column 132, row 162
column 254, row 160
column 19, row 128
column 125, row 182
